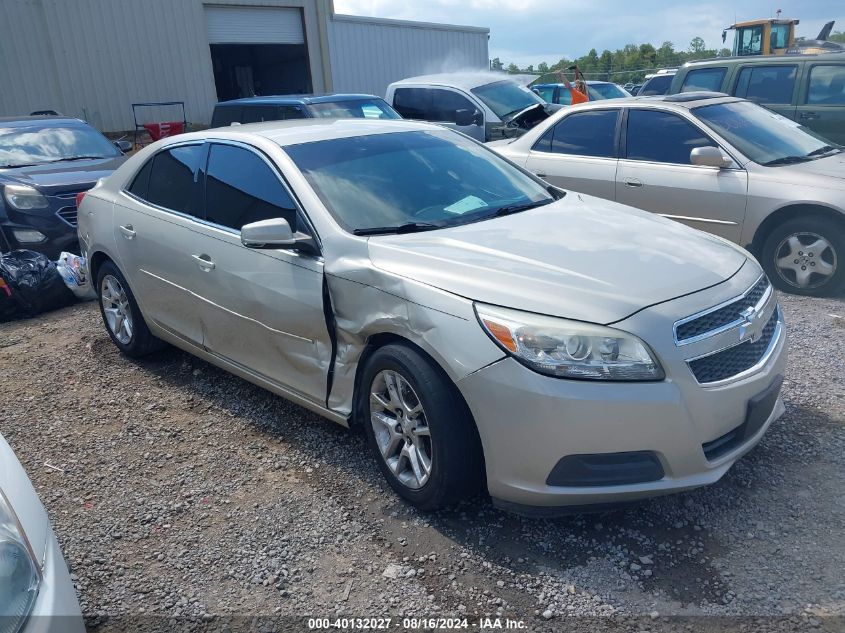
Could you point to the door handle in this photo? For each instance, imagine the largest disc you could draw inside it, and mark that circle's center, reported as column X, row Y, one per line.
column 204, row 262
column 808, row 115
column 633, row 182
column 128, row 231
column 539, row 175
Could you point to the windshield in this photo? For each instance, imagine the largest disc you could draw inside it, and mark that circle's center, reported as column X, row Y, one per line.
column 421, row 179
column 608, row 91
column 34, row 145
column 354, row 109
column 506, row 97
column 762, row 135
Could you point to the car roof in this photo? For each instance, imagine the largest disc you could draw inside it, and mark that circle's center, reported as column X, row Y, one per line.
column 296, row 131
column 44, row 120
column 686, row 100
column 464, row 81
column 767, row 59
column 297, row 99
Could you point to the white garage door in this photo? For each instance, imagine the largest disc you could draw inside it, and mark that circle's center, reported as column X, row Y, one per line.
column 254, row 25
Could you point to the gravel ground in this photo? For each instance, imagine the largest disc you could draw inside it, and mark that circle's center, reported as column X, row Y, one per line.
column 178, row 490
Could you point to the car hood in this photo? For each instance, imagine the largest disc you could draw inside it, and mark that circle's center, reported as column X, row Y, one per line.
column 61, row 176
column 831, row 166
column 580, row 258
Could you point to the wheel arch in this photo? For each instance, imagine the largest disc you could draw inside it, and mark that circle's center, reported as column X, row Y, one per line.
column 95, row 261
column 788, row 212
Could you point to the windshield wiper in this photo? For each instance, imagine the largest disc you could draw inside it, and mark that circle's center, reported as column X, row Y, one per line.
column 61, row 160
column 21, row 165
column 824, row 149
column 516, row 208
column 408, row 227
column 787, row 160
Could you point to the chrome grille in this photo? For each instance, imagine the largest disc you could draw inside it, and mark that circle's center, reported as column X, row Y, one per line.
column 721, row 317
column 737, row 359
column 68, row 214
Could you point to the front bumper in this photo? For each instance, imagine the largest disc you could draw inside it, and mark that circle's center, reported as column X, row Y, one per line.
column 57, row 223
column 56, row 608
column 529, row 422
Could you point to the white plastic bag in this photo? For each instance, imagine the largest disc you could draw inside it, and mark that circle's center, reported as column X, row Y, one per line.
column 74, row 272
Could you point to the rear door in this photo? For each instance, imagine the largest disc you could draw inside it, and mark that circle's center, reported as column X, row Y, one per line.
column 772, row 86
column 261, row 309
column 438, row 105
column 655, row 174
column 822, row 100
column 579, row 152
column 154, row 220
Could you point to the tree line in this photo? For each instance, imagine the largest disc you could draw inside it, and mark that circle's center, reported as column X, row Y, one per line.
column 630, row 63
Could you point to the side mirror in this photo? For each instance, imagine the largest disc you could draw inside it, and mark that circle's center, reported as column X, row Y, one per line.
column 124, row 146
column 710, row 157
column 273, row 233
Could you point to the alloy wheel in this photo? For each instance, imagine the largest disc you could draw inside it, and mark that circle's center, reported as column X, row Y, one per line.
column 116, row 309
column 805, row 260
column 401, row 429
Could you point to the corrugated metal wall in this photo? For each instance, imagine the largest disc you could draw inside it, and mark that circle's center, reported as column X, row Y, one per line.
column 93, row 58
column 367, row 55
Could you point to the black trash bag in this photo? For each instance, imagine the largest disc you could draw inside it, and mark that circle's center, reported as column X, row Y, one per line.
column 30, row 285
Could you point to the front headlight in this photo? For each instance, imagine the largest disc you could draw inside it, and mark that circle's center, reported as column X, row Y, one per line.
column 24, row 197
column 569, row 349
column 19, row 571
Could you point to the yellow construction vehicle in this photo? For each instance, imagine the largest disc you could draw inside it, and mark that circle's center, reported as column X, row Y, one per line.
column 776, row 36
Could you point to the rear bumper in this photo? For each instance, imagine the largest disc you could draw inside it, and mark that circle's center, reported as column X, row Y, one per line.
column 529, row 422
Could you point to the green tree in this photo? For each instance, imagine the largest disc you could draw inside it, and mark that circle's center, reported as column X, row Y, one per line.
column 513, row 68
column 496, row 64
column 529, row 68
column 696, row 46
column 542, row 67
column 837, row 36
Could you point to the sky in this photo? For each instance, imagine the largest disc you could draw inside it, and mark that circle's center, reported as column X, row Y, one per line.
column 532, row 31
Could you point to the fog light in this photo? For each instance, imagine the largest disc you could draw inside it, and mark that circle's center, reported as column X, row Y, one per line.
column 28, row 236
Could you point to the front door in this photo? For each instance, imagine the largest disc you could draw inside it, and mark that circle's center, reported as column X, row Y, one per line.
column 656, row 175
column 261, row 309
column 579, row 153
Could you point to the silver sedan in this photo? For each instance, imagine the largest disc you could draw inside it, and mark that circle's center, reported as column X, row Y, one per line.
column 715, row 163
column 484, row 328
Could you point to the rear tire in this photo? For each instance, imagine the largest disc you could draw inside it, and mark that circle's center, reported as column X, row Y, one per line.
column 419, row 429
column 121, row 315
column 806, row 256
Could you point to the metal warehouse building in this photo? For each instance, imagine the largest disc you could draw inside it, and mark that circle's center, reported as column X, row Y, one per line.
column 94, row 58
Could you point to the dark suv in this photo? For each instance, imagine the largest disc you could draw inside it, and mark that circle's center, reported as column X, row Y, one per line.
column 279, row 108
column 809, row 89
column 45, row 161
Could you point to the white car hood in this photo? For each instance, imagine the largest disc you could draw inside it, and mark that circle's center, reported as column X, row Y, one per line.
column 581, row 258
column 831, row 166
column 20, row 493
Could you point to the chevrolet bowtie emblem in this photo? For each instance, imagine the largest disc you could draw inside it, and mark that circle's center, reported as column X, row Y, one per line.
column 751, row 327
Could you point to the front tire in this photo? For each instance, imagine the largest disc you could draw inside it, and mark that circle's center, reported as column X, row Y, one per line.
column 806, row 256
column 121, row 316
column 419, row 429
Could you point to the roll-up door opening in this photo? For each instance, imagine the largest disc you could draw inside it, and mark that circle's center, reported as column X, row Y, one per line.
column 257, row 51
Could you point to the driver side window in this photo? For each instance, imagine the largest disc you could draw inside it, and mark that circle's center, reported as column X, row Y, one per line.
column 446, row 102
column 241, row 188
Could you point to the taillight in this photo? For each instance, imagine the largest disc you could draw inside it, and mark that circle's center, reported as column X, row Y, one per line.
column 79, row 197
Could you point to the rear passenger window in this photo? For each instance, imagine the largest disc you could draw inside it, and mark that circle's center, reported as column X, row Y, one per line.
column 591, row 133
column 827, row 85
column 709, row 79
column 766, row 84
column 412, row 103
column 141, row 181
column 241, row 188
column 173, row 179
column 662, row 137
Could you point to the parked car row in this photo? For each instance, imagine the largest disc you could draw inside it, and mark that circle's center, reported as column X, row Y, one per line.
column 713, row 162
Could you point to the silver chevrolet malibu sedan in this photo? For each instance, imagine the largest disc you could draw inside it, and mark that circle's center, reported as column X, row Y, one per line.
column 483, row 327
